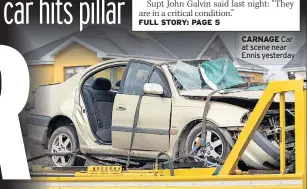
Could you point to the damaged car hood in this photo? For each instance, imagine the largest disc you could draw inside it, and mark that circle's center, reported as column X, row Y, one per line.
column 239, row 94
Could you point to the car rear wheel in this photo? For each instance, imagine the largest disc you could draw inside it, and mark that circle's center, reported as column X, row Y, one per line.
column 64, row 140
column 216, row 145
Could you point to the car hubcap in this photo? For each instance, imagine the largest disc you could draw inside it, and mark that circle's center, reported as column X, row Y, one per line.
column 61, row 144
column 214, row 146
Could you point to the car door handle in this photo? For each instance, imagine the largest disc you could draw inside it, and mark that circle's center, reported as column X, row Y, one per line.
column 120, row 107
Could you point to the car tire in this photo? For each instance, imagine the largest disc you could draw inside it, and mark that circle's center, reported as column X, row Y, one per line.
column 64, row 139
column 218, row 147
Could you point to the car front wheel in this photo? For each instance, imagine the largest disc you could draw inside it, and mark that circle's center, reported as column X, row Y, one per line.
column 216, row 145
column 64, row 140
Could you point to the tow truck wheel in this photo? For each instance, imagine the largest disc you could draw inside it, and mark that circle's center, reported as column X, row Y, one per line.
column 216, row 145
column 64, row 140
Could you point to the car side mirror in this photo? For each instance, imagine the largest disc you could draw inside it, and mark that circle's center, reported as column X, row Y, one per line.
column 153, row 88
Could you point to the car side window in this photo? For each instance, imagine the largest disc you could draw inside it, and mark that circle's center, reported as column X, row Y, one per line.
column 158, row 78
column 155, row 78
column 113, row 74
column 136, row 78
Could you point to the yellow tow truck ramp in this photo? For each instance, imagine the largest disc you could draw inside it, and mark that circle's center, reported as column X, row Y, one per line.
column 227, row 177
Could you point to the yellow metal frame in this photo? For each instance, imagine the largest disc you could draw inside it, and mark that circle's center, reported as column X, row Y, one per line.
column 273, row 88
column 102, row 177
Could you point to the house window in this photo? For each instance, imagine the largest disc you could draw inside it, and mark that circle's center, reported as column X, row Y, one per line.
column 216, row 50
column 71, row 71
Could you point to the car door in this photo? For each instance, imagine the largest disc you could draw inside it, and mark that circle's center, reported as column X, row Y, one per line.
column 84, row 113
column 152, row 131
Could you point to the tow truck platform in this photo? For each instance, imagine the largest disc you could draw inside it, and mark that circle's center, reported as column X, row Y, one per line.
column 225, row 176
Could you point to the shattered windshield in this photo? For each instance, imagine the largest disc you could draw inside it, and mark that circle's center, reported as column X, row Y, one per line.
column 217, row 74
column 187, row 75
